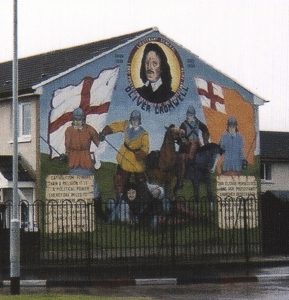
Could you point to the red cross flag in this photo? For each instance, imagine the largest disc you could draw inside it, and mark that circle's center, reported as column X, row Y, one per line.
column 219, row 103
column 211, row 95
column 93, row 95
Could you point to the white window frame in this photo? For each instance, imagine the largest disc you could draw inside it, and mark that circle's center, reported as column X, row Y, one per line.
column 21, row 136
column 263, row 175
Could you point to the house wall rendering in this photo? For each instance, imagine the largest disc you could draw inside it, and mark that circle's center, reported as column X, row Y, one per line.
column 111, row 87
column 279, row 177
column 28, row 118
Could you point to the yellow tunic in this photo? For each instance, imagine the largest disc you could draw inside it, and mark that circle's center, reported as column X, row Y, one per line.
column 135, row 147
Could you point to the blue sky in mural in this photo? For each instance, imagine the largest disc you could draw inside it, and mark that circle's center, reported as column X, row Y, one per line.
column 247, row 40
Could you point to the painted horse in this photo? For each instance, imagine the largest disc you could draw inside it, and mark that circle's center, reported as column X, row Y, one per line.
column 202, row 166
column 162, row 164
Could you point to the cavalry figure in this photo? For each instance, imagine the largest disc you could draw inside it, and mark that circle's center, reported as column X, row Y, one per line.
column 202, row 167
column 195, row 134
column 162, row 164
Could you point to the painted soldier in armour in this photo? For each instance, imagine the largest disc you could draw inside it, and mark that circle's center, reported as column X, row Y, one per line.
column 78, row 139
column 232, row 144
column 196, row 134
column 132, row 153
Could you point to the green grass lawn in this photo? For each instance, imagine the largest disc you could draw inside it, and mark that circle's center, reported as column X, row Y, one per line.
column 113, row 235
column 67, row 297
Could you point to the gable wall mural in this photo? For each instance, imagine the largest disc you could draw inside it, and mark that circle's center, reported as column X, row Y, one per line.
column 148, row 114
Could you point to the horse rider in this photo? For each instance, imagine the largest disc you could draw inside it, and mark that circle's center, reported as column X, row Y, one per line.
column 132, row 153
column 191, row 141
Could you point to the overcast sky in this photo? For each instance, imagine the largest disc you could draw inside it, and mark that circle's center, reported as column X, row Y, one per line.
column 248, row 40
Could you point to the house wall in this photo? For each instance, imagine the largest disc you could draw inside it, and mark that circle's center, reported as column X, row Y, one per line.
column 190, row 74
column 280, row 175
column 28, row 148
column 109, row 87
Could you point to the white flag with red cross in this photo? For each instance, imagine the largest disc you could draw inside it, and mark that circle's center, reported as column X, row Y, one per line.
column 211, row 95
column 219, row 103
column 93, row 95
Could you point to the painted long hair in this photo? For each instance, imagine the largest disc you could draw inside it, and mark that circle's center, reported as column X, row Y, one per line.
column 165, row 67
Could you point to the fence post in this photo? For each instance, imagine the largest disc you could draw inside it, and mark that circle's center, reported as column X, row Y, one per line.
column 245, row 230
column 172, row 232
column 88, row 210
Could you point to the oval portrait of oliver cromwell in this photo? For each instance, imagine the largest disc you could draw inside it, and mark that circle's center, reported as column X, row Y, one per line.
column 155, row 70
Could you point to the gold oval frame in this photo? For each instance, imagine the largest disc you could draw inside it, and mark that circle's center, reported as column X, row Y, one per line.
column 173, row 61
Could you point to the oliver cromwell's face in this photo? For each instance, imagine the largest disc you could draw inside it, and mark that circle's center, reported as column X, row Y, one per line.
column 152, row 66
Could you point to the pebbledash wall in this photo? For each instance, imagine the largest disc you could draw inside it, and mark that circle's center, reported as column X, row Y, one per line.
column 106, row 87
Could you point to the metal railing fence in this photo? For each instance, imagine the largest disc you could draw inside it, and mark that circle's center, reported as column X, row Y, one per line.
column 77, row 233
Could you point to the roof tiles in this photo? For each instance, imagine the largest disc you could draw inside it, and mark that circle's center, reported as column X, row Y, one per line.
column 35, row 69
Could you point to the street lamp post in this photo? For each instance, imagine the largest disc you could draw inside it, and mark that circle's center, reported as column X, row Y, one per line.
column 15, row 223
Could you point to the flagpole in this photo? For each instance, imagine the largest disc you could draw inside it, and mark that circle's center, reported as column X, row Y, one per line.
column 15, row 223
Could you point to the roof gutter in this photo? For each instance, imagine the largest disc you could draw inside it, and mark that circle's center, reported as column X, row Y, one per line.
column 22, row 95
column 274, row 159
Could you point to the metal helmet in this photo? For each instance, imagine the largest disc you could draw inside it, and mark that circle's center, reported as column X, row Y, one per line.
column 232, row 121
column 78, row 115
column 135, row 115
column 191, row 110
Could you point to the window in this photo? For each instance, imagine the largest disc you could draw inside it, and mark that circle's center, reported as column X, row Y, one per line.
column 24, row 122
column 27, row 216
column 266, row 171
column 24, row 215
column 24, row 119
